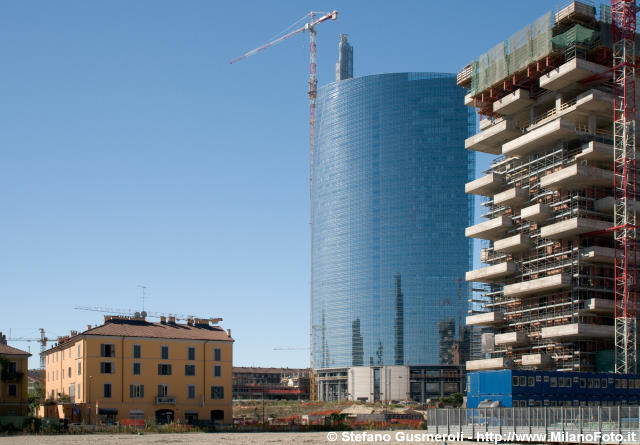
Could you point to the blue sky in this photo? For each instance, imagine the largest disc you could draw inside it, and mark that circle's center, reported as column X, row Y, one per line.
column 133, row 153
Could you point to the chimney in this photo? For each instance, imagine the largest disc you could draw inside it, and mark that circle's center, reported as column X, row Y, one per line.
column 229, row 332
column 163, row 319
column 3, row 339
column 172, row 319
column 88, row 327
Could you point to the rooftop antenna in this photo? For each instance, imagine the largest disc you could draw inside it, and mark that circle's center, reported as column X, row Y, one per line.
column 144, row 294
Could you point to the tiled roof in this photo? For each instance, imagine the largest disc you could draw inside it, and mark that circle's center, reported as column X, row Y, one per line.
column 121, row 327
column 139, row 328
column 9, row 350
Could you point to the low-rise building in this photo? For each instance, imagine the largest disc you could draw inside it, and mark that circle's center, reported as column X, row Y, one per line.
column 131, row 370
column 13, row 380
column 270, row 383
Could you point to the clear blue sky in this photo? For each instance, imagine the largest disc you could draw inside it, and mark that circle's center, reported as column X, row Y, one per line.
column 133, row 153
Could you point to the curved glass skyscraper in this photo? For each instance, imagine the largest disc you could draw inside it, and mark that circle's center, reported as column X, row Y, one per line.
column 389, row 212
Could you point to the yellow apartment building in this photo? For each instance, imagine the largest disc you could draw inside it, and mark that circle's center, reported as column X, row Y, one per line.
column 14, row 364
column 131, row 370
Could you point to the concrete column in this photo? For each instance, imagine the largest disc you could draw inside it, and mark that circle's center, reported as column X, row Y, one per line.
column 558, row 102
column 592, row 123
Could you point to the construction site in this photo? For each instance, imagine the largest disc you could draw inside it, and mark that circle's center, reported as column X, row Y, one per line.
column 557, row 109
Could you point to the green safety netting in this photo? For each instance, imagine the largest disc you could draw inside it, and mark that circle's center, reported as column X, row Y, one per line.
column 524, row 47
column 577, row 34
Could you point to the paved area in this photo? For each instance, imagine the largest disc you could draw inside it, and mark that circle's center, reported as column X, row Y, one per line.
column 212, row 438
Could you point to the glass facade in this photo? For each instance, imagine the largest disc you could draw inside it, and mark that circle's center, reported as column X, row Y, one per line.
column 389, row 211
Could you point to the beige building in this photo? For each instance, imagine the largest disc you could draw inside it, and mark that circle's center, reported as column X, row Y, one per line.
column 131, row 370
column 13, row 380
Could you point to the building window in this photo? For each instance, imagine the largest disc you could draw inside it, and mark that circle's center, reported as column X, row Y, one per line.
column 583, row 383
column 514, row 380
column 191, row 391
column 107, row 350
column 190, row 370
column 523, row 380
column 106, row 368
column 136, row 391
column 79, row 368
column 192, row 353
column 106, row 390
column 217, row 392
column 165, row 352
column 217, row 354
column 164, row 369
column 137, row 350
column 163, row 390
column 69, row 371
column 79, row 393
column 604, row 383
column 12, row 390
column 553, row 382
column 79, row 349
column 136, row 368
column 217, row 371
column 13, row 367
column 532, row 381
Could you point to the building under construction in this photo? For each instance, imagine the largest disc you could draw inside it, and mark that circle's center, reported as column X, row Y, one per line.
column 559, row 235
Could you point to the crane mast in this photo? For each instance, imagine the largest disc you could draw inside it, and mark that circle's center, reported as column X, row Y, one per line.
column 623, row 14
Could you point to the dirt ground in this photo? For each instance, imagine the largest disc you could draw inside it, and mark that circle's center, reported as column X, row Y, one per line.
column 199, row 439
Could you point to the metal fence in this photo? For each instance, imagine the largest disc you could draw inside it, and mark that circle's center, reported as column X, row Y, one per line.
column 592, row 424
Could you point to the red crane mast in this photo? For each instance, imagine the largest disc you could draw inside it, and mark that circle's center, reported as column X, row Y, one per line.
column 623, row 20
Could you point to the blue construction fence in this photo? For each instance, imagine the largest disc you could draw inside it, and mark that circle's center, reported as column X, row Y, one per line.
column 520, row 388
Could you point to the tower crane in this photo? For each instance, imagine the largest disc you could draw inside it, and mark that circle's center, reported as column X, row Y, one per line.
column 128, row 313
column 314, row 19
column 43, row 340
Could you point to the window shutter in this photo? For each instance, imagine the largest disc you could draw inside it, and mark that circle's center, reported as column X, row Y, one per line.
column 159, row 369
column 169, row 369
column 160, row 391
column 141, row 390
column 131, row 393
column 102, row 350
column 101, row 367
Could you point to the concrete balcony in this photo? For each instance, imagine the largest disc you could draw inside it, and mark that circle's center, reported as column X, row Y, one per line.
column 607, row 205
column 573, row 227
column 486, row 364
column 538, row 285
column 536, row 213
column 597, row 254
column 493, row 273
column 595, row 102
column 579, row 331
column 485, row 123
column 570, row 73
column 491, row 140
column 513, row 244
column 492, row 230
column 599, row 306
column 539, row 361
column 485, row 319
column 512, row 339
column 512, row 197
column 597, row 152
column 468, row 100
column 576, row 177
column 512, row 103
column 541, row 138
column 485, row 185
